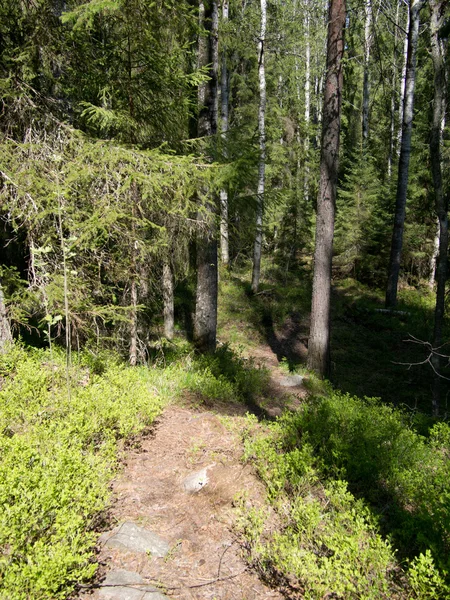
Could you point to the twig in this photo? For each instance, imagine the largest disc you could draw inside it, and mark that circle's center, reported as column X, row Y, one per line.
column 431, row 352
column 264, row 292
column 221, row 558
column 158, row 583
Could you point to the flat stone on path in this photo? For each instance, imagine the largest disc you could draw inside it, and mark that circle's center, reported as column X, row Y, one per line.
column 291, row 381
column 130, row 536
column 119, row 585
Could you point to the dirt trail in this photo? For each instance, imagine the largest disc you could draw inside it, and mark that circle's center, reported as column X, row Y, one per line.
column 204, row 561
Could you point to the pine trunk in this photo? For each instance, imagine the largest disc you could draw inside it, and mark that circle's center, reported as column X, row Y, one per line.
column 319, row 340
column 441, row 202
column 405, row 153
column 262, row 151
column 205, row 321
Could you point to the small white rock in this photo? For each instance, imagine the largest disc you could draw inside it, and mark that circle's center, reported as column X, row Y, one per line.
column 197, row 481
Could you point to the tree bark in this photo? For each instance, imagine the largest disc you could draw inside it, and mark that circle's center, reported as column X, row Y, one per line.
column 401, row 105
column 256, row 274
column 167, row 289
column 441, row 202
column 205, row 321
column 405, row 153
column 134, row 278
column 366, row 82
column 434, row 255
column 224, row 98
column 319, row 339
column 5, row 329
column 307, row 100
column 392, row 137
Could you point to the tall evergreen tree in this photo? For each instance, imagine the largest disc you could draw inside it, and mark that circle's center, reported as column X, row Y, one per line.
column 319, row 339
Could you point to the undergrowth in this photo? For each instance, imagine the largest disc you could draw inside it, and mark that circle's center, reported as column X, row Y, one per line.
column 362, row 502
column 59, row 449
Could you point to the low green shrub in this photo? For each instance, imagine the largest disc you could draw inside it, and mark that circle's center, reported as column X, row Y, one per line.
column 59, row 449
column 363, row 501
column 226, row 375
column 58, row 452
column 401, row 473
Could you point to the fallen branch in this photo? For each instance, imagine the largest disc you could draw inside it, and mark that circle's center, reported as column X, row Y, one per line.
column 162, row 588
column 431, row 352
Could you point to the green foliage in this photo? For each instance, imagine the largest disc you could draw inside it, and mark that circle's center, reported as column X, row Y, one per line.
column 59, row 449
column 58, row 454
column 246, row 380
column 372, row 446
column 350, row 481
column 94, row 196
column 362, row 224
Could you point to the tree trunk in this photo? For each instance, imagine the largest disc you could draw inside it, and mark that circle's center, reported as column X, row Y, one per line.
column 319, row 339
column 133, row 280
column 366, row 82
column 401, row 106
column 441, row 202
column 434, row 255
column 5, row 329
column 307, row 101
column 133, row 321
column 405, row 153
column 392, row 137
column 224, row 97
column 167, row 289
column 262, row 150
column 205, row 321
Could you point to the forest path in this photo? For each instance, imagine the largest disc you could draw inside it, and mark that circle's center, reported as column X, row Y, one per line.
column 204, row 557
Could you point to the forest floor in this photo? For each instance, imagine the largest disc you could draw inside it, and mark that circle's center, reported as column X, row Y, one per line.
column 205, row 558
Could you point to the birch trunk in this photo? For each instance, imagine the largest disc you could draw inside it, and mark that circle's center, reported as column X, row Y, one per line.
column 307, row 100
column 167, row 289
column 224, row 98
column 262, row 151
column 405, row 153
column 401, row 106
column 133, row 321
column 366, row 82
column 205, row 321
column 319, row 339
column 441, row 202
column 5, row 329
column 133, row 284
column 393, row 94
column 434, row 255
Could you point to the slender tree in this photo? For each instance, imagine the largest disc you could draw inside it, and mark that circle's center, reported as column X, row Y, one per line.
column 224, row 104
column 168, row 299
column 319, row 339
column 5, row 330
column 306, row 183
column 205, row 322
column 405, row 153
column 366, row 81
column 441, row 199
column 262, row 149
